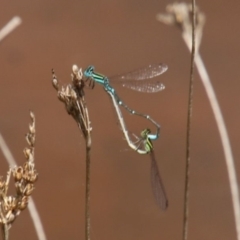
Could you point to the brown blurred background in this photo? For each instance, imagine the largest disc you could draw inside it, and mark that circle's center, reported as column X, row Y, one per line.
column 119, row 36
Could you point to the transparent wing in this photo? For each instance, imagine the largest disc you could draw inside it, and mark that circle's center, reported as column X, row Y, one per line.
column 148, row 72
column 157, row 185
column 138, row 80
column 147, row 87
column 138, row 141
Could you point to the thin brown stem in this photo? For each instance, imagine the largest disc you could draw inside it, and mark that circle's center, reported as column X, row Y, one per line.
column 87, row 194
column 189, row 119
column 5, row 231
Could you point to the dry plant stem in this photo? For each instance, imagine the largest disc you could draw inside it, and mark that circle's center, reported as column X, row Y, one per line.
column 87, row 194
column 73, row 98
column 9, row 27
column 88, row 164
column 5, row 231
column 178, row 15
column 31, row 205
column 189, row 118
column 88, row 167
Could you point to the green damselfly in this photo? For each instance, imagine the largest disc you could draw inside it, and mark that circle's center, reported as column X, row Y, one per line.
column 131, row 144
column 144, row 145
column 156, row 181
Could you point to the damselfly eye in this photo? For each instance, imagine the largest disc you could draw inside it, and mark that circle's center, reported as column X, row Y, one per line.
column 91, row 68
column 148, row 130
column 88, row 72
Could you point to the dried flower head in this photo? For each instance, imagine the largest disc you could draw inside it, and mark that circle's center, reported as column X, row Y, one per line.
column 24, row 176
column 180, row 15
column 73, row 97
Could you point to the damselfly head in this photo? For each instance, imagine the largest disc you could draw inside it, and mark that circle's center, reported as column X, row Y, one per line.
column 145, row 132
column 89, row 70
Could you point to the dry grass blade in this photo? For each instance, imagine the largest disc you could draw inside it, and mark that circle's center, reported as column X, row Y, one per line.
column 10, row 26
column 73, row 97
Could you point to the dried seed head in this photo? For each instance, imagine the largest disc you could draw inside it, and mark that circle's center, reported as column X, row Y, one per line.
column 28, row 167
column 23, row 203
column 9, row 203
column 77, row 72
column 55, row 84
column 75, row 69
column 73, row 95
column 180, row 15
column 31, row 176
column 24, row 177
column 19, row 188
column 55, row 81
column 28, row 189
column 30, row 138
column 80, row 74
column 32, row 129
column 32, row 115
column 2, row 184
column 27, row 153
column 18, row 173
column 68, row 90
column 61, row 96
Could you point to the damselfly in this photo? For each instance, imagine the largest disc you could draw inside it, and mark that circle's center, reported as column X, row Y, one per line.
column 125, row 130
column 144, row 145
column 156, row 181
column 134, row 80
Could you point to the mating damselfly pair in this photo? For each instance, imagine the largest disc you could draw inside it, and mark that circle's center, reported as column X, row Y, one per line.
column 141, row 80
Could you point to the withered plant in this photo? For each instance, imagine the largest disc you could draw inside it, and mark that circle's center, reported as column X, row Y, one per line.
column 73, row 97
column 24, row 176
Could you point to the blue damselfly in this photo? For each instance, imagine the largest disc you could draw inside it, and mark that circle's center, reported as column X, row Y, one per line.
column 138, row 80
